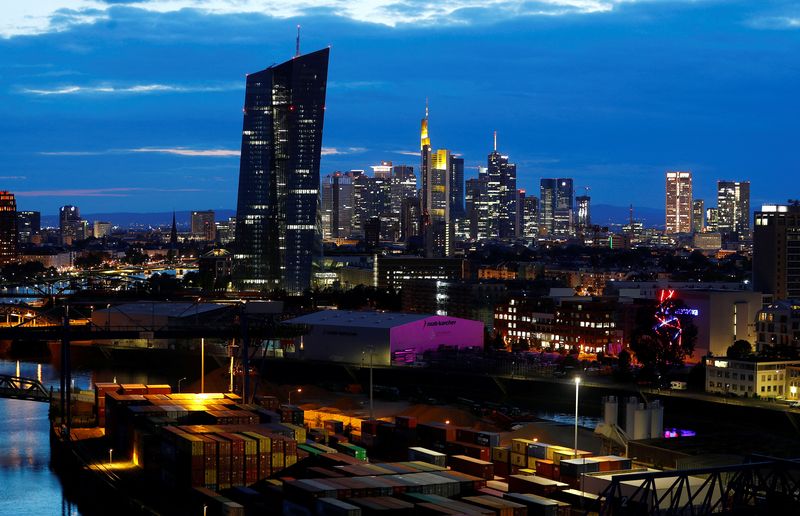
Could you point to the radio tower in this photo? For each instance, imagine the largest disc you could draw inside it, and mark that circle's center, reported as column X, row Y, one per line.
column 297, row 46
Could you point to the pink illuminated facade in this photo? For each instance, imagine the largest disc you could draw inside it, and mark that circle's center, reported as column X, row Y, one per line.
column 393, row 338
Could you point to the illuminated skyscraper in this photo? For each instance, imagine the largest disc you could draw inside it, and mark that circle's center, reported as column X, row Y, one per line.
column 8, row 228
column 504, row 175
column 733, row 203
column 203, row 225
column 278, row 238
column 584, row 218
column 71, row 225
column 698, row 216
column 776, row 251
column 555, row 206
column 435, row 168
column 679, row 202
column 337, row 205
column 529, row 212
column 28, row 224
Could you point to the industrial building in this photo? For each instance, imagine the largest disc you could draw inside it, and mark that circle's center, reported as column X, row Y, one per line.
column 391, row 338
column 766, row 379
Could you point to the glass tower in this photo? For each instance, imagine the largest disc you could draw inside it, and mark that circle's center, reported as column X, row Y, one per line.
column 278, row 238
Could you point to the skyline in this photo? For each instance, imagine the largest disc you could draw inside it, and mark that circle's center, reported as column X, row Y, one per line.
column 143, row 123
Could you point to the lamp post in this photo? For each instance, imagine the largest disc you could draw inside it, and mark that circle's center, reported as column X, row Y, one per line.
column 371, row 350
column 299, row 390
column 179, row 383
column 110, row 455
column 202, row 364
column 577, row 385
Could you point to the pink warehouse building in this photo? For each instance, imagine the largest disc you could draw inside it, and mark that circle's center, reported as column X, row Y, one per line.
column 395, row 338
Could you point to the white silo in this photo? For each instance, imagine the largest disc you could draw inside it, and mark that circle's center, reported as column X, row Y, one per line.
column 610, row 410
column 656, row 419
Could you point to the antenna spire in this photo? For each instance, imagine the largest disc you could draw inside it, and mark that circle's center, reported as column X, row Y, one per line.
column 426, row 107
column 495, row 140
column 297, row 46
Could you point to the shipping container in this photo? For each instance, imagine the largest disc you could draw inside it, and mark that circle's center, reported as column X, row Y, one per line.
column 405, row 422
column 334, row 507
column 534, row 484
column 471, row 466
column 158, row 389
column 468, row 449
column 426, row 455
column 500, row 506
column 536, row 505
column 501, row 454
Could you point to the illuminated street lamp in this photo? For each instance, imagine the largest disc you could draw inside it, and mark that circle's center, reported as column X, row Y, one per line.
column 179, row 383
column 577, row 385
column 110, row 455
column 298, row 390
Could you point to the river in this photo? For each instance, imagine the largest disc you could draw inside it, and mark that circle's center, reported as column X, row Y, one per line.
column 28, row 485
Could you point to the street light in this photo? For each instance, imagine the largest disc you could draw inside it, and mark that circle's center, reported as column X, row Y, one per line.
column 577, row 385
column 298, row 390
column 179, row 383
column 110, row 455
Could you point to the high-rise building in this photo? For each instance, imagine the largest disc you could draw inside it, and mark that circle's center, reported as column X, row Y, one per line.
column 504, row 175
column 733, row 203
column 435, row 168
column 547, row 196
column 555, row 206
column 712, row 219
column 203, row 225
column 403, row 185
column 456, row 186
column 529, row 216
column 584, row 219
column 410, row 219
column 71, row 225
column 371, row 198
column 776, row 251
column 101, row 229
column 278, row 238
column 679, row 202
column 337, row 205
column 698, row 216
column 384, row 170
column 9, row 243
column 28, row 224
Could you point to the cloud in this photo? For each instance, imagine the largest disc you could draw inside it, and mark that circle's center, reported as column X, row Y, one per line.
column 183, row 151
column 99, row 192
column 44, row 16
column 336, row 151
column 13, row 178
column 175, row 151
column 134, row 89
column 406, row 152
column 786, row 22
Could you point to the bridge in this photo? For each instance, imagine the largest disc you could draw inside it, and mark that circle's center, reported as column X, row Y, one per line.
column 20, row 388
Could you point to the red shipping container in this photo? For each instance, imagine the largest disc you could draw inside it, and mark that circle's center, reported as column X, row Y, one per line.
column 237, row 458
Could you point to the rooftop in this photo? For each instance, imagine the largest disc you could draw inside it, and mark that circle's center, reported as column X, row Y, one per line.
column 358, row 319
column 168, row 309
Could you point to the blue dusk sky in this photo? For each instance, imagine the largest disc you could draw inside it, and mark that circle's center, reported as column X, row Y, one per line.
column 135, row 105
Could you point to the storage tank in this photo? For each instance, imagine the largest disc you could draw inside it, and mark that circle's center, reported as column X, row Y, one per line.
column 610, row 410
column 630, row 407
column 656, row 419
column 641, row 417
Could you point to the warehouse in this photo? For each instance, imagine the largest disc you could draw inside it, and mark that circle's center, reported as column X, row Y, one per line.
column 395, row 338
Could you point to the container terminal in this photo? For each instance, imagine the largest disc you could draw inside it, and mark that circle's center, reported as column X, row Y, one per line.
column 144, row 449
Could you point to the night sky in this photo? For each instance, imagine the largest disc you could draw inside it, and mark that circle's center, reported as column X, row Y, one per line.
column 136, row 105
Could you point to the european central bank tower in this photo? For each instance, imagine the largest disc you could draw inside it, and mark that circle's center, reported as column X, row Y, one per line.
column 278, row 239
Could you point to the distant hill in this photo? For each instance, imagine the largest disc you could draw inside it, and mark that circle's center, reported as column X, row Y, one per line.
column 602, row 214
column 128, row 219
column 605, row 214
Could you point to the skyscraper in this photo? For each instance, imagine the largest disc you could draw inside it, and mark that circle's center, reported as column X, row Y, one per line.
column 776, row 251
column 435, row 168
column 733, row 203
column 504, row 175
column 337, row 205
column 28, row 224
column 203, row 225
column 456, row 186
column 679, row 202
column 563, row 211
column 584, row 218
column 70, row 224
column 698, row 216
column 8, row 228
column 547, row 196
column 277, row 232
column 529, row 211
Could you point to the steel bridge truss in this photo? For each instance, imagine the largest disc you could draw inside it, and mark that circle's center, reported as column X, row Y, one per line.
column 763, row 486
column 21, row 388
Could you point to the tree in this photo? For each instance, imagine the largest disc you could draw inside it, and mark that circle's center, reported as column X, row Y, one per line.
column 740, row 349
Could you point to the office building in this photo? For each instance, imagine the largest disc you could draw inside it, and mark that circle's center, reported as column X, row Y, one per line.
column 584, row 219
column 504, row 175
column 71, row 225
column 556, row 207
column 101, row 229
column 410, row 219
column 679, row 202
column 437, row 226
column 778, row 327
column 733, row 203
column 529, row 215
column 278, row 238
column 28, row 224
column 403, row 186
column 9, row 243
column 203, row 225
column 395, row 272
column 338, row 201
column 698, row 216
column 371, row 198
column 776, row 251
column 748, row 378
column 456, row 187
column 712, row 219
